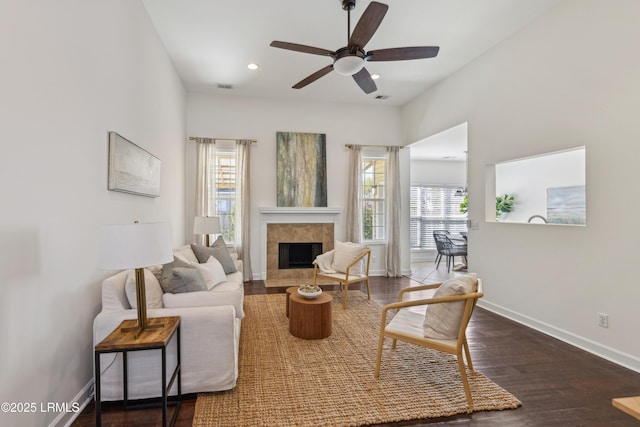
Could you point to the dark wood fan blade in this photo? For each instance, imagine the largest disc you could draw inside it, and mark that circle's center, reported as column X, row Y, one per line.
column 313, row 77
column 403, row 53
column 364, row 80
column 302, row 48
column 368, row 24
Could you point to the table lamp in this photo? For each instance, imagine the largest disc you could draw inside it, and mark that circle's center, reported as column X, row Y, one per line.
column 136, row 246
column 206, row 225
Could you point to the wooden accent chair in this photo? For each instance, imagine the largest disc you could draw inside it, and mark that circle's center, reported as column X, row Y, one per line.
column 408, row 325
column 345, row 279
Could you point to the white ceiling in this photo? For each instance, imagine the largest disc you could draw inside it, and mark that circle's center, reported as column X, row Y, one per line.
column 211, row 42
column 448, row 145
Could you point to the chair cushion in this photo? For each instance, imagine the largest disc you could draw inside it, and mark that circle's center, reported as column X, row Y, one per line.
column 219, row 251
column 442, row 321
column 153, row 291
column 344, row 254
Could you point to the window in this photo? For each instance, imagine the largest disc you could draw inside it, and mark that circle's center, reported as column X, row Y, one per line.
column 224, row 173
column 434, row 208
column 373, row 198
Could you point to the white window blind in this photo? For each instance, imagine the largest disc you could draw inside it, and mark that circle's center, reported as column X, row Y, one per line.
column 434, row 208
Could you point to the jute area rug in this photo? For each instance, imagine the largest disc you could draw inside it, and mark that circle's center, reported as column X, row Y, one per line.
column 288, row 381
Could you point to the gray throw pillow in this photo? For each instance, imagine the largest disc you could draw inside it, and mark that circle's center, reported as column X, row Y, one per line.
column 166, row 276
column 187, row 280
column 219, row 251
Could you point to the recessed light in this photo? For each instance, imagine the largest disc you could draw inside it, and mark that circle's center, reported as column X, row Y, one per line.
column 375, row 76
column 252, row 66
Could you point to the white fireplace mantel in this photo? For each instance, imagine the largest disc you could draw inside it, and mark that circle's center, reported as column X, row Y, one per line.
column 272, row 214
column 291, row 215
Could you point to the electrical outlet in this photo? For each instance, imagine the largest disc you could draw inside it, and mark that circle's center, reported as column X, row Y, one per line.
column 603, row 320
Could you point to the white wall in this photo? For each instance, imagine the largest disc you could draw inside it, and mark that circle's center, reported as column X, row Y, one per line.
column 569, row 79
column 257, row 118
column 434, row 172
column 71, row 71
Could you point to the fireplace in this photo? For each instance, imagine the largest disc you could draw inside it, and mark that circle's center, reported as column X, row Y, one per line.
column 294, row 225
column 298, row 255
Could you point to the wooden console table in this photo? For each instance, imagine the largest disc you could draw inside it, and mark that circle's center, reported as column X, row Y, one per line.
column 310, row 319
column 153, row 339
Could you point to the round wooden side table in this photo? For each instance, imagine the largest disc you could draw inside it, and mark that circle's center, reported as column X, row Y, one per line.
column 290, row 290
column 310, row 319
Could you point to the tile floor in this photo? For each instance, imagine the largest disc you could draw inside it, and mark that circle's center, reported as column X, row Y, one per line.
column 426, row 272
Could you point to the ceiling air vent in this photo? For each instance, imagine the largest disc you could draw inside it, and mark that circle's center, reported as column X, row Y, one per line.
column 224, row 86
column 382, row 96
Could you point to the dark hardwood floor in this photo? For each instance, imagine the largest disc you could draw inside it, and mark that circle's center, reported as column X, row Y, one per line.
column 559, row 385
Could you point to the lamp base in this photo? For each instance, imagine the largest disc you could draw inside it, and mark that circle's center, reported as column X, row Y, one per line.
column 141, row 300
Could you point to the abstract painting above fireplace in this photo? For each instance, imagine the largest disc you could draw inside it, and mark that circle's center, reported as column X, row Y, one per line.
column 301, row 169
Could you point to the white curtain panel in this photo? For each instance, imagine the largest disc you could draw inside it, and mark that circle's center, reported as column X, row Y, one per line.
column 393, row 203
column 243, row 211
column 354, row 198
column 205, row 196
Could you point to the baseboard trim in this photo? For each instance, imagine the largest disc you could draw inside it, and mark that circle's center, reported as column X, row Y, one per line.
column 612, row 355
column 82, row 399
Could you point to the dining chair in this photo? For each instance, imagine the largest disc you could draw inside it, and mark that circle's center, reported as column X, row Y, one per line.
column 449, row 249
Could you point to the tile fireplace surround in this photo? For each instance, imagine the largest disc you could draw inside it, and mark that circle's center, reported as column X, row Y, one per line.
column 293, row 225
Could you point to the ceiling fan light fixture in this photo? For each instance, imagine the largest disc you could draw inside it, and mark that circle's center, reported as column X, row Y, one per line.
column 348, row 65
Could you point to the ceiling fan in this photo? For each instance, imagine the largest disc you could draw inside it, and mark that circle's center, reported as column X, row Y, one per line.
column 350, row 60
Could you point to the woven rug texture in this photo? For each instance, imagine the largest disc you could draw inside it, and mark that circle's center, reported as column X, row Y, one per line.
column 288, row 381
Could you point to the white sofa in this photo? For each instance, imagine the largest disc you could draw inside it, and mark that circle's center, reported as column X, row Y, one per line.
column 210, row 335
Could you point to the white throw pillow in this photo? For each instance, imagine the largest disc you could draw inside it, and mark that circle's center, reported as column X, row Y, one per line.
column 212, row 271
column 186, row 254
column 344, row 254
column 442, row 321
column 153, row 291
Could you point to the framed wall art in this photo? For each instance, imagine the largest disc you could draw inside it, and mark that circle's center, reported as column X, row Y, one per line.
column 132, row 169
column 567, row 205
column 301, row 169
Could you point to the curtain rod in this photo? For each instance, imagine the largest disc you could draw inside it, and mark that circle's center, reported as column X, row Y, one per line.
column 378, row 146
column 193, row 138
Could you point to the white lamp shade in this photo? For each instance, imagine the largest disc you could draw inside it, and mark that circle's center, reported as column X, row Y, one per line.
column 206, row 225
column 348, row 65
column 127, row 246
